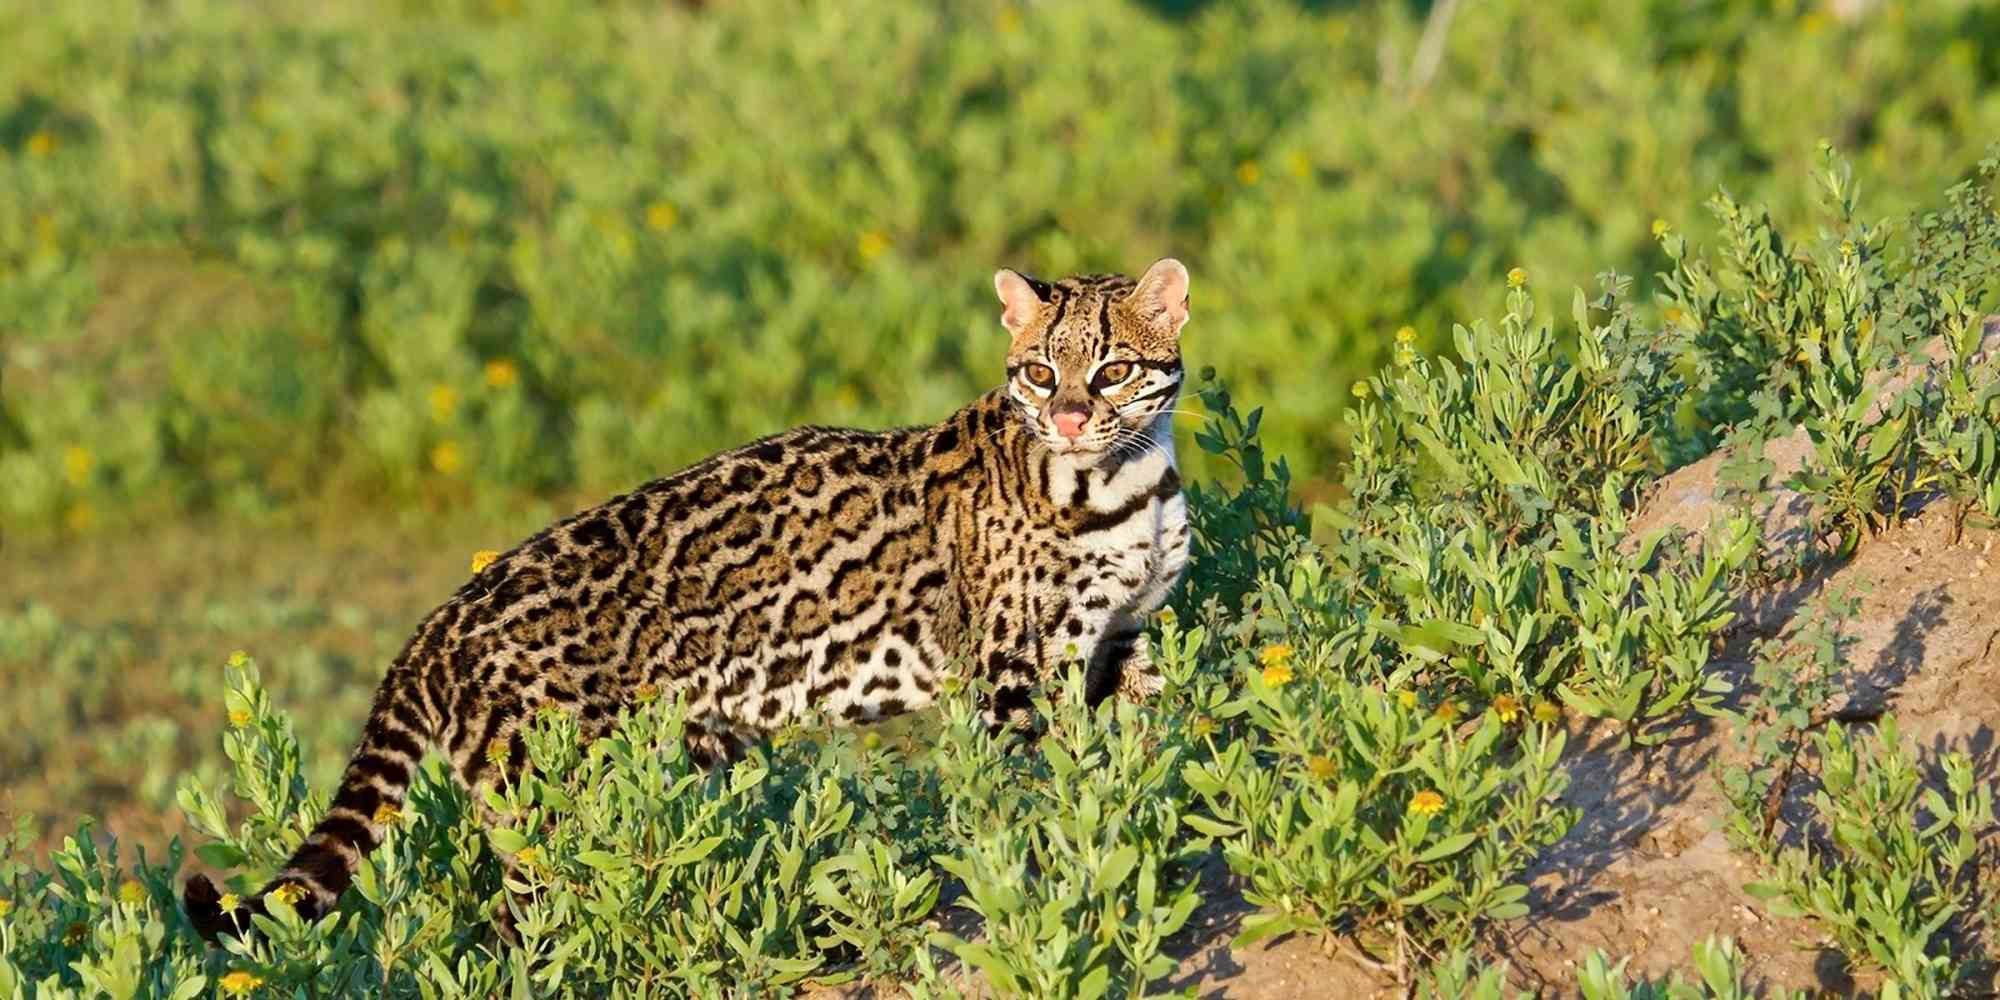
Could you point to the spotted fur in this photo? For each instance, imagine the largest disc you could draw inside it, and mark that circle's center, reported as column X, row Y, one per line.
column 819, row 571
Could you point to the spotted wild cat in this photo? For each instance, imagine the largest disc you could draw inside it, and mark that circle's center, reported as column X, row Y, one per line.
column 819, row 570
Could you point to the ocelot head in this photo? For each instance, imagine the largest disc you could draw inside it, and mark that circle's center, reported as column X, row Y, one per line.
column 1095, row 359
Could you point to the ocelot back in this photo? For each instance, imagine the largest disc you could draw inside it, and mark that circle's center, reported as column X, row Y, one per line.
column 818, row 571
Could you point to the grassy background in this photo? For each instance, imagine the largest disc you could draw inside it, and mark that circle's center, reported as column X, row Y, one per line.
column 300, row 303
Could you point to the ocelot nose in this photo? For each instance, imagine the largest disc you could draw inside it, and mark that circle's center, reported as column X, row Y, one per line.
column 1069, row 420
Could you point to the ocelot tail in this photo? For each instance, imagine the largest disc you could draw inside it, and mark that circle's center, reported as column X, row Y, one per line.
column 828, row 573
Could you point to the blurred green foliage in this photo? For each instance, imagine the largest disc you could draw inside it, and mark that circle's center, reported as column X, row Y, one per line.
column 454, row 252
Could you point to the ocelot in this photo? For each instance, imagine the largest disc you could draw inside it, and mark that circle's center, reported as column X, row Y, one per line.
column 820, row 572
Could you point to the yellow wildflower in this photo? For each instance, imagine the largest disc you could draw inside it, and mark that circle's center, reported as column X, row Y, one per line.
column 1847, row 248
column 1278, row 674
column 497, row 753
column 444, row 399
column 1547, row 712
column 1277, row 652
column 6, row 907
column 230, row 901
column 1248, row 172
column 527, row 856
column 1426, row 803
column 1660, row 228
column 1406, row 355
column 1204, row 727
column 41, row 144
column 1168, row 617
column 446, row 458
column 239, row 718
column 1673, row 315
column 239, row 983
column 872, row 244
column 77, row 464
column 1516, row 277
column 290, row 894
column 1321, row 767
column 1406, row 698
column 501, row 373
column 80, row 518
column 661, row 216
column 871, row 741
column 238, row 658
column 1360, row 390
column 1448, row 711
column 130, row 891
column 646, row 692
column 483, row 558
column 387, row 815
column 1507, row 707
column 1406, row 334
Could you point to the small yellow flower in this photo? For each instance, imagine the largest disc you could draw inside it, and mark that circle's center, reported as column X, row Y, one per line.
column 871, row 741
column 1547, row 712
column 527, row 856
column 501, row 373
column 872, row 244
column 130, row 891
column 483, row 558
column 1278, row 675
column 41, row 144
column 230, row 901
column 1406, row 698
column 1426, row 803
column 446, row 458
column 1660, row 228
column 1169, row 617
column 444, row 399
column 80, row 518
column 6, row 907
column 646, row 692
column 1406, row 356
column 1448, row 711
column 497, row 753
column 1360, row 390
column 239, row 983
column 1673, row 315
column 1516, row 277
column 1204, row 727
column 1507, row 707
column 74, row 934
column 387, row 815
column 238, row 658
column 1847, row 248
column 77, row 464
column 1248, row 172
column 1406, row 335
column 661, row 216
column 239, row 718
column 1278, row 652
column 290, row 894
column 1321, row 767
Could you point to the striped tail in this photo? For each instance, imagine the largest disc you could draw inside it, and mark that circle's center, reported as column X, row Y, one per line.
column 371, row 791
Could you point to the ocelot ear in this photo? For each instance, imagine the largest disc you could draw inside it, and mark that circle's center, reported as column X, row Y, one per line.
column 1022, row 297
column 1161, row 297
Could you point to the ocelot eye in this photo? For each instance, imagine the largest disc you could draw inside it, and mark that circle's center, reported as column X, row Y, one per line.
column 1042, row 376
column 1114, row 373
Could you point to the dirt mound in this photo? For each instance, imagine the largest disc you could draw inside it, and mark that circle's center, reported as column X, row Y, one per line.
column 1648, row 872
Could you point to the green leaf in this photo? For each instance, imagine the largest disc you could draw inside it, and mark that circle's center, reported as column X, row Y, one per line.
column 1447, row 847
